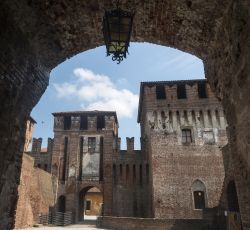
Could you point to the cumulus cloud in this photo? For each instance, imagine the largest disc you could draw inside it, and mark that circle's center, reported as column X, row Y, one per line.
column 98, row 92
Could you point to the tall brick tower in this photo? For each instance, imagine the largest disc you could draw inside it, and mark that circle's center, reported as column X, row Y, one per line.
column 84, row 143
column 182, row 131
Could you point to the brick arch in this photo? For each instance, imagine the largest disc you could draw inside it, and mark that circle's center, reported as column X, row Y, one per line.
column 36, row 36
column 81, row 195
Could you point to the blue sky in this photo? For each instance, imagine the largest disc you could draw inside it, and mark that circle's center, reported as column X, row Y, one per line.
column 90, row 80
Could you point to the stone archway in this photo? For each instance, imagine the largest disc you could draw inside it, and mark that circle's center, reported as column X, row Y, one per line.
column 96, row 202
column 38, row 35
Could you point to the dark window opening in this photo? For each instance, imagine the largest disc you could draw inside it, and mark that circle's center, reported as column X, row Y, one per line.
column 101, row 159
column 39, row 165
column 193, row 117
column 186, row 136
column 199, row 199
column 202, row 119
column 120, row 171
column 178, row 117
column 232, row 197
column 134, row 174
column 185, row 116
column 88, row 205
column 100, row 122
column 114, row 174
column 202, row 91
column 45, row 167
column 160, row 92
column 141, row 175
column 84, row 122
column 81, row 158
column 61, row 204
column 91, row 144
column 127, row 173
column 67, row 122
column 65, row 155
column 209, row 118
column 181, row 91
column 217, row 117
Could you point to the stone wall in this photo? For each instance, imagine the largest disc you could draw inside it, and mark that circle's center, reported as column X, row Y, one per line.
column 123, row 223
column 35, row 194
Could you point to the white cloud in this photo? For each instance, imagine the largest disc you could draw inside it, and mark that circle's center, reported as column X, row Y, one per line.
column 98, row 92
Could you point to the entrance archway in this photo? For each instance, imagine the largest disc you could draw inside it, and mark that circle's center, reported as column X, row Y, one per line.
column 38, row 35
column 90, row 203
column 61, row 204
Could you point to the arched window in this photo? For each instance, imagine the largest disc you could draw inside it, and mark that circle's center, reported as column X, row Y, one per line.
column 199, row 194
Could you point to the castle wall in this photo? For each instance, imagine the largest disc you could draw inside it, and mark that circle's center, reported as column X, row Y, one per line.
column 35, row 194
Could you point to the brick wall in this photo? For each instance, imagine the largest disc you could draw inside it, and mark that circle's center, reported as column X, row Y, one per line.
column 123, row 223
column 35, row 194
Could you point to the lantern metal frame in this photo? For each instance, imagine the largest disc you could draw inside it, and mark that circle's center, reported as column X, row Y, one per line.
column 117, row 47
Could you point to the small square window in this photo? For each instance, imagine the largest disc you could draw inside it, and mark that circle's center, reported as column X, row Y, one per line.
column 160, row 92
column 186, row 136
column 181, row 91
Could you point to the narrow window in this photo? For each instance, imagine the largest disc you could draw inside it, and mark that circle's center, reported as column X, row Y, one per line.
column 186, row 136
column 45, row 167
column 170, row 117
column 88, row 205
column 199, row 194
column 67, row 122
column 127, row 173
column 163, row 119
column 84, row 122
column 202, row 118
column 65, row 156
column 147, row 173
column 121, row 172
column 100, row 122
column 81, row 158
column 181, row 91
column 160, row 92
column 39, row 165
column 141, row 175
column 185, row 116
column 193, row 117
column 178, row 117
column 199, row 200
column 134, row 174
column 217, row 117
column 101, row 159
column 202, row 91
column 209, row 118
column 114, row 174
column 91, row 144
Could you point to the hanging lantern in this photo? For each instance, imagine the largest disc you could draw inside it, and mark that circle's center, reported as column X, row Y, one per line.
column 117, row 27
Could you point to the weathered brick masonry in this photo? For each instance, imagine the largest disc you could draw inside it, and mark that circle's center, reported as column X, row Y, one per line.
column 167, row 111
